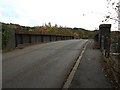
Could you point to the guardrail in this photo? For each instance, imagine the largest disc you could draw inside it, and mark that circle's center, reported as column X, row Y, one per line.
column 21, row 37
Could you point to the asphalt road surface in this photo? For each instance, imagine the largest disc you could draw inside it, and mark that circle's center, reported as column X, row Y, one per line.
column 40, row 66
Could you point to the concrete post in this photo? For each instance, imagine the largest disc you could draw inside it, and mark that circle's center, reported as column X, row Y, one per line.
column 105, row 42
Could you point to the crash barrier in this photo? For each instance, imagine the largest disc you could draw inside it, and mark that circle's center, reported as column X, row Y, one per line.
column 21, row 37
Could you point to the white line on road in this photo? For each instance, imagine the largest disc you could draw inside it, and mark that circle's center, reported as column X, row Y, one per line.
column 72, row 73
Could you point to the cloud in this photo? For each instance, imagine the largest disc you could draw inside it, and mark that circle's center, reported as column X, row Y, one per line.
column 9, row 13
column 62, row 12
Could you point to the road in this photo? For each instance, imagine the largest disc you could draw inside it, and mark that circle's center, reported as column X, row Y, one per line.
column 40, row 66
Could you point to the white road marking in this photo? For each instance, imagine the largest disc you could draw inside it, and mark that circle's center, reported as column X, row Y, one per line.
column 72, row 73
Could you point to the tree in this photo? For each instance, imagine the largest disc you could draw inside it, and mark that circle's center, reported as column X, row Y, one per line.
column 114, row 5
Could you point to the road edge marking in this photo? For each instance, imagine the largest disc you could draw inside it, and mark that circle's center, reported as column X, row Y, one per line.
column 72, row 73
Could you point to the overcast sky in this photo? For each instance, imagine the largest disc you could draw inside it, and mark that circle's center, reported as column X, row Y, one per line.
column 86, row 14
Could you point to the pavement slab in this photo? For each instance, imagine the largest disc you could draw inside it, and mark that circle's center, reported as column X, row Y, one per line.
column 89, row 73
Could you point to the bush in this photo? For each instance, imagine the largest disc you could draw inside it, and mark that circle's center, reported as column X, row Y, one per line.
column 5, row 37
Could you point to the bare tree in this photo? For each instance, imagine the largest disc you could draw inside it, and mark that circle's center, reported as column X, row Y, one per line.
column 113, row 5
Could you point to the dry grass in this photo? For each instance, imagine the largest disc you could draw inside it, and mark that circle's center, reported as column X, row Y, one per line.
column 109, row 72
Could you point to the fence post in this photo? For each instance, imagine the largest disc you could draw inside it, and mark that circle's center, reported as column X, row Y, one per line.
column 41, row 38
column 30, row 38
column 50, row 38
column 16, row 42
column 21, row 38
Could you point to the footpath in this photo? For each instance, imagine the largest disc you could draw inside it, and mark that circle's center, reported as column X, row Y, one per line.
column 90, row 71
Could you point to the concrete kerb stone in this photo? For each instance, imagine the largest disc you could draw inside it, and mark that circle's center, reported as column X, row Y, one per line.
column 74, row 69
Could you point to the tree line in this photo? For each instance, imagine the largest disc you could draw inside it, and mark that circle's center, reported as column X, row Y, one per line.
column 49, row 29
column 46, row 28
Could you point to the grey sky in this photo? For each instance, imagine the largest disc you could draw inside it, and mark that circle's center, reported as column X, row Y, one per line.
column 86, row 14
